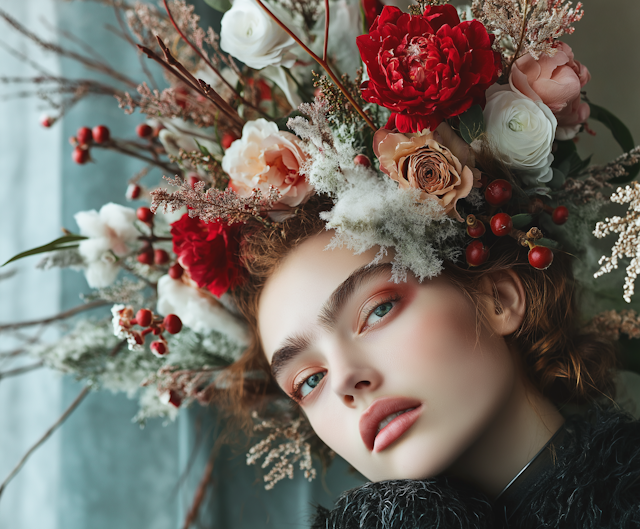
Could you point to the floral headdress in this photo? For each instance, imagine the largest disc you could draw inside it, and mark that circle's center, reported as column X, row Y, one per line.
column 393, row 130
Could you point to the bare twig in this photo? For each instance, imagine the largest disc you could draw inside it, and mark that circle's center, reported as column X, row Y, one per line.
column 322, row 62
column 20, row 370
column 61, row 316
column 49, row 46
column 123, row 149
column 47, row 434
column 202, row 488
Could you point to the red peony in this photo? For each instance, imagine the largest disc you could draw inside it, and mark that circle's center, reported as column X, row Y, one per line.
column 209, row 252
column 427, row 68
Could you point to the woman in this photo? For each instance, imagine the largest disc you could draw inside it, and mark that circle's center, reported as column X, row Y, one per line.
column 456, row 380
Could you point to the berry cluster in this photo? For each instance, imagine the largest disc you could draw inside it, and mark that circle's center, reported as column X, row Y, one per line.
column 497, row 194
column 85, row 138
column 155, row 325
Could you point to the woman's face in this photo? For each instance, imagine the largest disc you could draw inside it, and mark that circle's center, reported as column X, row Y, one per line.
column 395, row 377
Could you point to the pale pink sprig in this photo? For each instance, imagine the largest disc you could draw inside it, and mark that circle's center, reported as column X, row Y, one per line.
column 213, row 205
column 534, row 26
column 611, row 324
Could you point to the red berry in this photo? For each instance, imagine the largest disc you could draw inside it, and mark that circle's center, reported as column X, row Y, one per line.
column 498, row 192
column 176, row 271
column 475, row 227
column 227, row 140
column 160, row 257
column 501, row 224
column 476, row 253
column 158, row 348
column 46, row 121
column 101, row 134
column 172, row 324
column 138, row 337
column 193, row 180
column 171, row 397
column 144, row 317
column 84, row 135
column 133, row 191
column 363, row 160
column 145, row 215
column 540, row 257
column 143, row 130
column 146, row 257
column 560, row 215
column 181, row 96
column 80, row 155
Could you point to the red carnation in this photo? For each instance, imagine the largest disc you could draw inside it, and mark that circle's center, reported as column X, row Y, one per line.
column 209, row 252
column 427, row 68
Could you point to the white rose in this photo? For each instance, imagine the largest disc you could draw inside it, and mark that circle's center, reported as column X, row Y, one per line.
column 521, row 131
column 264, row 157
column 111, row 232
column 250, row 35
column 198, row 310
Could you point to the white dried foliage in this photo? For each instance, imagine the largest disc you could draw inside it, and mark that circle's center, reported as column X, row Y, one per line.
column 627, row 245
column 369, row 209
column 125, row 291
column 151, row 407
column 283, row 456
column 70, row 258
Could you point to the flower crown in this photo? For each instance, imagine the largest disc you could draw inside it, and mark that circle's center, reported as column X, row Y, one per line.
column 400, row 147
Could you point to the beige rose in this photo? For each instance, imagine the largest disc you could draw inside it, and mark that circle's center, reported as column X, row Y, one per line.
column 438, row 163
column 264, row 157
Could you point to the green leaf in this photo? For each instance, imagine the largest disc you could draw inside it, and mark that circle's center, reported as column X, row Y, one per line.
column 472, row 123
column 621, row 134
column 521, row 220
column 219, row 5
column 202, row 148
column 63, row 243
column 549, row 243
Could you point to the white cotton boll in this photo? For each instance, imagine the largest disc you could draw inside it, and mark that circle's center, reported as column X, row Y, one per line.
column 90, row 223
column 521, row 131
column 198, row 311
column 121, row 220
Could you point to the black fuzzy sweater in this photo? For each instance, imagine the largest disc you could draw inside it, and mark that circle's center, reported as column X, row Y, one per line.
column 587, row 477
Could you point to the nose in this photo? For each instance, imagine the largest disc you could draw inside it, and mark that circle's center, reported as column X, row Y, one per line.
column 353, row 375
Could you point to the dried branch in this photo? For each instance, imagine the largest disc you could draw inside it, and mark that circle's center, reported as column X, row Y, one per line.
column 20, row 370
column 322, row 62
column 63, row 315
column 89, row 62
column 47, row 434
column 214, row 205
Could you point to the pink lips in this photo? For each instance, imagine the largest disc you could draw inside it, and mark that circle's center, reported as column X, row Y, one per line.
column 379, row 410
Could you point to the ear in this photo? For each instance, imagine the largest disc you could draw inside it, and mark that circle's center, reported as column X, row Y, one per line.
column 506, row 301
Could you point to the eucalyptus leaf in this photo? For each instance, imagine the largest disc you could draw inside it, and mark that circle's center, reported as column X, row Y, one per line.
column 219, row 5
column 521, row 220
column 472, row 123
column 549, row 243
column 63, row 243
column 621, row 134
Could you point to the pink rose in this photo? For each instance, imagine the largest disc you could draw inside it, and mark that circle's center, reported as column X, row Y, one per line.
column 438, row 163
column 556, row 81
column 264, row 157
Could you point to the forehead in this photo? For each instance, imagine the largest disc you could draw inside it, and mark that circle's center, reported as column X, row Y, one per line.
column 294, row 295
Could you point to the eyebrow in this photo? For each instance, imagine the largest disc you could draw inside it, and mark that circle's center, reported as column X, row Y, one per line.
column 328, row 316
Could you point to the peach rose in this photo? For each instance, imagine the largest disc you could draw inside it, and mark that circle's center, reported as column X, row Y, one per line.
column 556, row 81
column 438, row 163
column 266, row 156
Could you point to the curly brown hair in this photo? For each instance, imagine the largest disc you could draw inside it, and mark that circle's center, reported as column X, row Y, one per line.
column 565, row 363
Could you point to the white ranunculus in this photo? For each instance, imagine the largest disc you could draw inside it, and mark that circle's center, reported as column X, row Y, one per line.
column 198, row 310
column 111, row 232
column 521, row 131
column 250, row 35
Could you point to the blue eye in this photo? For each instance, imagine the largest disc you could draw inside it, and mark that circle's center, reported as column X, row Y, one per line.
column 309, row 384
column 380, row 312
